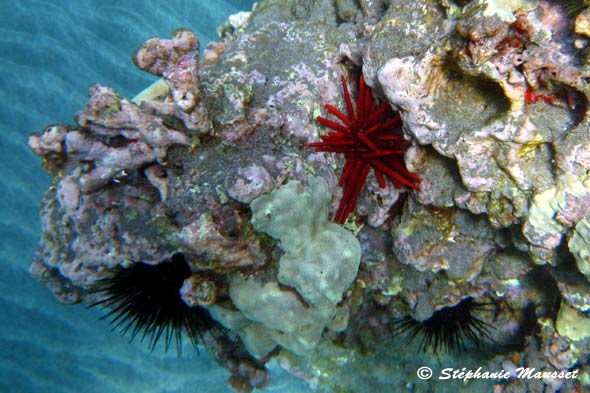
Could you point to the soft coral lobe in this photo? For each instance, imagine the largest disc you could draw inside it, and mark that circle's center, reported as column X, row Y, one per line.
column 369, row 137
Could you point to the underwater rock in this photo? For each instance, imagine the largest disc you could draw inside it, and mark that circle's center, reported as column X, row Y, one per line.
column 582, row 23
column 111, row 116
column 501, row 142
column 571, row 323
column 198, row 291
column 552, row 212
column 88, row 224
column 177, row 61
column 50, row 141
column 579, row 245
column 203, row 237
column 209, row 161
column 443, row 239
column 248, row 183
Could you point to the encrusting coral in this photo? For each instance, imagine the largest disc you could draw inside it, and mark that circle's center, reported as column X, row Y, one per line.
column 319, row 264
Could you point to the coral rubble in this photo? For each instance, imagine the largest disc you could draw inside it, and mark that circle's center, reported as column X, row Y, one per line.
column 212, row 161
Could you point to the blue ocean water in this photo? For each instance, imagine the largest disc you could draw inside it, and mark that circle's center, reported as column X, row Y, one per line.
column 51, row 52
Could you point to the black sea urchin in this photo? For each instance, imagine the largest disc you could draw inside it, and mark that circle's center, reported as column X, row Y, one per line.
column 146, row 299
column 447, row 328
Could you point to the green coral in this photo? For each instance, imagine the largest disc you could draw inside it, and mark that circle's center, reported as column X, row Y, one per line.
column 320, row 262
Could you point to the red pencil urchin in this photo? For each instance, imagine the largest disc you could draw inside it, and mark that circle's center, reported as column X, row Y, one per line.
column 371, row 137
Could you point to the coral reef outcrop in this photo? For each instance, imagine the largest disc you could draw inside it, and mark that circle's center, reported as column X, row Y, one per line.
column 214, row 161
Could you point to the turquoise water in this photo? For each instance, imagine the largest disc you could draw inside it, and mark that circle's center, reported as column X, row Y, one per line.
column 51, row 52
